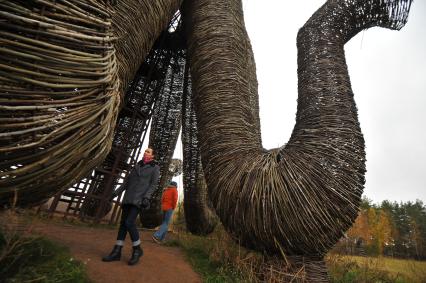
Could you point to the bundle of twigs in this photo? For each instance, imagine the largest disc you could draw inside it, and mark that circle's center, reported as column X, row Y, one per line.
column 298, row 199
column 137, row 24
column 295, row 269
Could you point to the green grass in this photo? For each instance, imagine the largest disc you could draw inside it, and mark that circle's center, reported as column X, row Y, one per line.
column 199, row 253
column 211, row 271
column 28, row 258
column 36, row 259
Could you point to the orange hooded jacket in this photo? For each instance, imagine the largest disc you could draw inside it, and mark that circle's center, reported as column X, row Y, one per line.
column 169, row 198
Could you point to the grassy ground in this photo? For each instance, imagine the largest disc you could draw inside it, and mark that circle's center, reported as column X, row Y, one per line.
column 43, row 261
column 356, row 269
column 28, row 258
column 200, row 253
column 222, row 261
column 414, row 271
column 217, row 258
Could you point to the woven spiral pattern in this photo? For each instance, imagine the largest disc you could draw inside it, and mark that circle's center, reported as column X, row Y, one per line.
column 138, row 24
column 298, row 199
column 62, row 72
column 58, row 94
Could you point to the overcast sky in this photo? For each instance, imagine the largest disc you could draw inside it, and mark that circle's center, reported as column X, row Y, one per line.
column 387, row 71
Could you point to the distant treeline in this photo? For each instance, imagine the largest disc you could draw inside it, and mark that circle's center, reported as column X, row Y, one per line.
column 390, row 229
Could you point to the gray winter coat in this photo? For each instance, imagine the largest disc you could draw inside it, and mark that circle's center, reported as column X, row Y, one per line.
column 140, row 184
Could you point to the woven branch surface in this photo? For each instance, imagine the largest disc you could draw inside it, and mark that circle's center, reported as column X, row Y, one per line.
column 200, row 218
column 301, row 198
column 58, row 92
column 62, row 73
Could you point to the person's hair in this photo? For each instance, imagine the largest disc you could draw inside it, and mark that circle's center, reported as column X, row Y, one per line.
column 153, row 149
column 140, row 162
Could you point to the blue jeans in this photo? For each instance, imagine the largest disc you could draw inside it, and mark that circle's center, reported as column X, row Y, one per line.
column 161, row 233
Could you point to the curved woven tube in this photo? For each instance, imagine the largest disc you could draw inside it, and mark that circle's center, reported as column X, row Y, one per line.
column 138, row 24
column 59, row 95
column 298, row 199
column 61, row 75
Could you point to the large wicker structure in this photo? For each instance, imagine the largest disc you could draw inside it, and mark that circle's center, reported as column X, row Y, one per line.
column 298, row 199
column 62, row 76
column 66, row 65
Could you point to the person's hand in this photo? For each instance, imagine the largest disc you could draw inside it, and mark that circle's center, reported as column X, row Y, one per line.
column 145, row 203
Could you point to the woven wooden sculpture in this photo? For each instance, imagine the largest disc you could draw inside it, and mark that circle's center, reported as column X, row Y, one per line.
column 301, row 198
column 64, row 66
column 61, row 75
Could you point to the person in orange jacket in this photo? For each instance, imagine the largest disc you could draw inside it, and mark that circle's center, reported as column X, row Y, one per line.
column 168, row 205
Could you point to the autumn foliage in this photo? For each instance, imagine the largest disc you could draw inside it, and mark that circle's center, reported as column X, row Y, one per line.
column 391, row 229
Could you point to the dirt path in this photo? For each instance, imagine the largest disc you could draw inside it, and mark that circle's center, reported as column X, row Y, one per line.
column 158, row 264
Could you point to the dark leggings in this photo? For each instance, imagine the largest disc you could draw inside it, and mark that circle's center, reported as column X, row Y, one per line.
column 127, row 223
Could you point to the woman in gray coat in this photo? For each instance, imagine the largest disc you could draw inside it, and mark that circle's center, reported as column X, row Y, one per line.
column 139, row 186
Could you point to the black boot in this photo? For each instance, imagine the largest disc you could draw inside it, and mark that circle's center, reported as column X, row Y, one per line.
column 136, row 254
column 114, row 255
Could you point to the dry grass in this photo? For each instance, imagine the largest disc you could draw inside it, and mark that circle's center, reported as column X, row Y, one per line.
column 232, row 262
column 229, row 258
column 375, row 269
column 413, row 270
